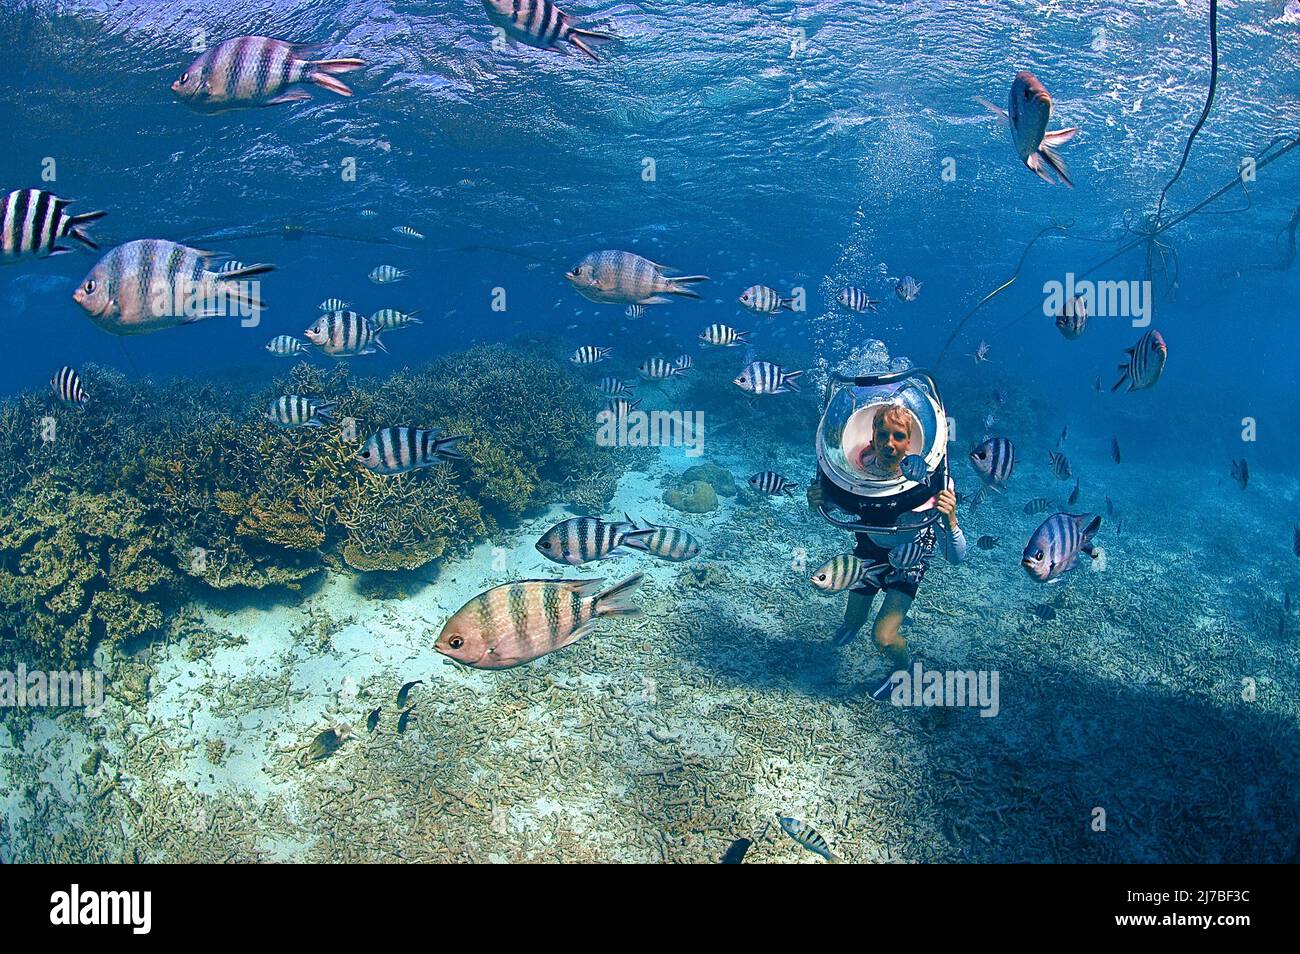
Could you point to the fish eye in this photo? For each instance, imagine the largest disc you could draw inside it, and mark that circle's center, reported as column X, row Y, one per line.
column 185, row 78
column 1038, row 555
column 90, row 286
column 456, row 642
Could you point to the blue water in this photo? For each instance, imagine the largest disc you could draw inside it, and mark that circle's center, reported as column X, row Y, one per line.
column 809, row 144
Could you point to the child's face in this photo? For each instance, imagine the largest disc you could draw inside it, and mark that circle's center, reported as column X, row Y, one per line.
column 893, row 435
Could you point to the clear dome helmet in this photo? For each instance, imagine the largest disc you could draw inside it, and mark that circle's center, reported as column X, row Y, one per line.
column 864, row 492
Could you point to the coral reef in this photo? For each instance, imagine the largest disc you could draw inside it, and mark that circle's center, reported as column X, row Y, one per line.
column 112, row 514
column 697, row 496
column 719, row 478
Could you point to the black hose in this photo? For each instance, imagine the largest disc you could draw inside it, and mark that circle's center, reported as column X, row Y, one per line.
column 1209, row 102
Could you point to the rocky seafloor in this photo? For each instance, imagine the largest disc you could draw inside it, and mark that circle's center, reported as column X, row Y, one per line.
column 664, row 737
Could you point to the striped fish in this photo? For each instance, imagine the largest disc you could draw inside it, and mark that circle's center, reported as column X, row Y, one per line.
column 1055, row 546
column 723, row 336
column 369, row 213
column 407, row 231
column 1074, row 494
column 667, row 543
column 907, row 289
column 763, row 377
column 634, row 311
column 282, row 346
column 32, row 221
column 540, row 23
column 518, row 622
column 395, row 450
column 684, row 362
column 909, row 555
column 231, row 266
column 855, row 299
column 994, row 460
column 770, row 482
column 847, row 571
column 1146, row 361
column 657, row 369
column 765, row 301
column 151, row 284
column 614, row 387
column 1038, row 505
column 580, row 540
column 589, row 354
column 257, row 71
column 1059, row 464
column 1073, row 319
column 344, row 334
column 806, row 836
column 386, row 318
column 913, row 468
column 386, row 274
column 334, row 304
column 294, row 410
column 621, row 408
column 612, row 277
column 987, row 542
column 66, row 384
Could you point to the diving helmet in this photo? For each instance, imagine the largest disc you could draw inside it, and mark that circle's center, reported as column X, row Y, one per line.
column 865, row 488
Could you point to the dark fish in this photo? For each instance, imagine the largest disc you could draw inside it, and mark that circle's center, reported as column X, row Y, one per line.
column 1029, row 109
column 257, row 71
column 1065, row 432
column 1060, row 465
column 32, row 221
column 1110, row 508
column 540, row 23
column 736, row 852
column 770, row 482
column 1241, row 472
column 1146, row 361
column 1074, row 494
column 1295, row 541
column 999, row 397
column 372, row 720
column 1114, row 449
column 328, row 742
column 1073, row 319
column 1038, row 505
column 1055, row 546
column 986, row 542
column 395, row 450
column 403, row 720
column 404, row 693
column 1044, row 612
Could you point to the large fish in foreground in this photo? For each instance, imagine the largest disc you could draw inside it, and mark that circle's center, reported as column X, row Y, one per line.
column 1055, row 546
column 345, row 334
column 625, row 278
column 518, row 622
column 257, row 71
column 32, row 221
column 542, row 24
column 1029, row 109
column 1146, row 362
column 151, row 284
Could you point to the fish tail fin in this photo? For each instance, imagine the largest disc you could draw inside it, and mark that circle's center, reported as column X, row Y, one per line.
column 633, row 538
column 1054, row 160
column 742, row 336
column 322, row 73
column 248, row 271
column 446, row 447
column 788, row 380
column 326, row 411
column 578, row 37
column 1060, row 136
column 411, row 315
column 676, row 285
column 77, row 221
column 615, row 601
column 1035, row 164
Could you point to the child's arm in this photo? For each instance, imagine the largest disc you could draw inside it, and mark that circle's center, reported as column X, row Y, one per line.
column 951, row 537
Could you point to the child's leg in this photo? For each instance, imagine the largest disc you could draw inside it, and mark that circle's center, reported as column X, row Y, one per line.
column 856, row 614
column 893, row 609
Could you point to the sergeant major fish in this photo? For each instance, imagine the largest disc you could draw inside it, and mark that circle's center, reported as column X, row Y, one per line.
column 667, row 543
column 541, row 24
column 846, row 571
column 283, row 346
column 395, row 450
column 995, row 461
column 258, row 71
column 294, row 410
column 806, row 836
column 763, row 377
column 1055, row 546
column 723, row 336
column 345, row 334
column 1073, row 319
column 765, row 301
column 907, row 289
column 771, row 483
column 1146, row 361
column 151, row 284
column 518, row 622
column 855, row 299
column 580, row 540
column 386, row 318
column 66, row 385
column 32, row 221
column 387, row 274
